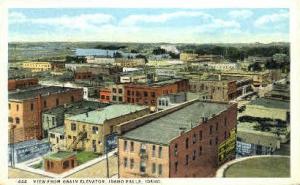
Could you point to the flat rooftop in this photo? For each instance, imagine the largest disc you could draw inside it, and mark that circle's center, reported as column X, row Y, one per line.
column 76, row 108
column 59, row 130
column 59, row 155
column 270, row 103
column 106, row 113
column 40, row 90
column 164, row 129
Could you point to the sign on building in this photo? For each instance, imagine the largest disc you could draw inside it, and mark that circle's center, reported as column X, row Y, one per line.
column 111, row 141
column 227, row 147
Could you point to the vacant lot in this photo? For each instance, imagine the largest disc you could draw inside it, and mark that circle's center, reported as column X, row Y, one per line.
column 260, row 167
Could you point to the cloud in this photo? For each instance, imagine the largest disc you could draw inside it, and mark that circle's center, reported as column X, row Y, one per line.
column 240, row 14
column 217, row 24
column 82, row 22
column 161, row 18
column 271, row 18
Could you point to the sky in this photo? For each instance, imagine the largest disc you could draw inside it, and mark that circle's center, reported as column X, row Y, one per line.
column 171, row 25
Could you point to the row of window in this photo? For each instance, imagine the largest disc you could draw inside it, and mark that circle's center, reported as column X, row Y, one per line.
column 138, row 93
column 155, row 149
column 11, row 120
column 120, row 91
column 95, row 129
column 120, row 98
column 45, row 104
column 155, row 167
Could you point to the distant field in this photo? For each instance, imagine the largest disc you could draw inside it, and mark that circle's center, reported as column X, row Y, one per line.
column 260, row 167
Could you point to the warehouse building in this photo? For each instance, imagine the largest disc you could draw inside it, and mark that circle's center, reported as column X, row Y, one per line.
column 189, row 140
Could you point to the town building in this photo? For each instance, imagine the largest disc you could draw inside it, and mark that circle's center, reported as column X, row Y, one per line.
column 60, row 162
column 89, row 130
column 105, row 95
column 99, row 60
column 251, row 141
column 133, row 78
column 130, row 62
column 189, row 140
column 55, row 117
column 193, row 57
column 26, row 150
column 146, row 94
column 37, row 66
column 117, row 93
column 22, row 83
column 57, row 139
column 26, row 107
column 218, row 88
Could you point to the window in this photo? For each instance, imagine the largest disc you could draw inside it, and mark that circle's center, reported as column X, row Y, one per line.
column 72, row 98
column 153, row 168
column 45, row 103
column 102, row 97
column 69, row 137
column 131, row 146
column 167, row 103
column 200, row 150
column 114, row 90
column 125, row 145
column 217, row 140
column 194, row 155
column 194, row 138
column 131, row 163
column 217, row 125
column 210, row 142
column 153, row 94
column 120, row 91
column 225, row 135
column 10, row 120
column 66, row 164
column 17, row 107
column 200, row 135
column 9, row 106
column 159, row 151
column 187, row 143
column 53, row 121
column 57, row 101
column 143, row 167
column 175, row 149
column 153, row 150
column 186, row 159
column 52, row 135
column 176, row 166
column 17, row 120
column 128, row 93
column 210, row 129
column 61, row 137
column 159, row 102
column 120, row 99
column 145, row 94
column 225, row 121
column 125, row 162
column 107, row 97
column 159, row 169
column 95, row 130
column 114, row 98
column 73, row 126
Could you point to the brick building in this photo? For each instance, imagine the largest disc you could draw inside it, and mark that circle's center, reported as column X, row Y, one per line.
column 14, row 84
column 85, row 75
column 87, row 131
column 189, row 140
column 60, row 162
column 105, row 95
column 26, row 107
column 219, row 89
column 117, row 93
column 147, row 94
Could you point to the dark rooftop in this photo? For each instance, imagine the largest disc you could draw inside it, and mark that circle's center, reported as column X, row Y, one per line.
column 33, row 92
column 76, row 108
column 164, row 129
column 271, row 103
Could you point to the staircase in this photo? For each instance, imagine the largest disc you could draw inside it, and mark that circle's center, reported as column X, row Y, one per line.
column 81, row 136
